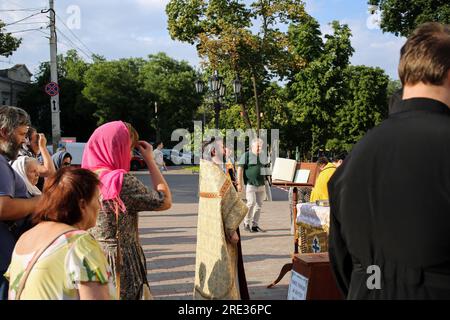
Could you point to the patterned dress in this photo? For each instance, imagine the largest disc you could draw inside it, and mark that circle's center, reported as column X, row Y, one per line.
column 133, row 272
column 72, row 258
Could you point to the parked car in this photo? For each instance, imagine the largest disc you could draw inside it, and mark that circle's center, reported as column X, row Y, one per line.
column 167, row 157
column 174, row 157
column 137, row 161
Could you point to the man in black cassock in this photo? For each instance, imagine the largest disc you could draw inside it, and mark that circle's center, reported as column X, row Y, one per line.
column 390, row 200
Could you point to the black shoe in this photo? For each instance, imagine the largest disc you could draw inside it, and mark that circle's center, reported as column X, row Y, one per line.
column 247, row 228
column 257, row 229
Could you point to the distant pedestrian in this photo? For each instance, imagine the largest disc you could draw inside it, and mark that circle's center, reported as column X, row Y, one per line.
column 159, row 156
column 250, row 174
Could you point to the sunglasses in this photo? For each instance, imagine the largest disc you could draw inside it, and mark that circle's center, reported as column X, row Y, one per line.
column 66, row 164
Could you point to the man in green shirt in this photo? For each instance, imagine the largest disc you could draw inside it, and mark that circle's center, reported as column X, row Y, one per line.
column 250, row 173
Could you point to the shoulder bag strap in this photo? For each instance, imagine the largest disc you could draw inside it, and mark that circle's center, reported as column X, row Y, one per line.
column 33, row 261
column 118, row 254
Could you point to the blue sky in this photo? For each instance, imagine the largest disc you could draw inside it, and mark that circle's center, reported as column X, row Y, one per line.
column 135, row 28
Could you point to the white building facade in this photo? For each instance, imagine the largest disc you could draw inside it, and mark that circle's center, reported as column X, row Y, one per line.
column 13, row 81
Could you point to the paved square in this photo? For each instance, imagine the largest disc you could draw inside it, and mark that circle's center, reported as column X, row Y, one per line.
column 169, row 240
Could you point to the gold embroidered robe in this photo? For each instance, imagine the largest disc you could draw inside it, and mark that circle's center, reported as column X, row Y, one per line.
column 220, row 212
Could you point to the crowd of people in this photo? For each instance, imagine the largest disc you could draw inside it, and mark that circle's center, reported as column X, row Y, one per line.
column 72, row 233
column 77, row 236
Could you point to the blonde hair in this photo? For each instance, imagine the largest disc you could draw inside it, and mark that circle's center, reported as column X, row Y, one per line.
column 134, row 136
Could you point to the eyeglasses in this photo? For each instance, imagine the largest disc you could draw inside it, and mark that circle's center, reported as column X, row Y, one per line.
column 66, row 164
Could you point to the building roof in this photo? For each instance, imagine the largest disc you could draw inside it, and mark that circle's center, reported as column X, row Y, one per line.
column 8, row 80
column 4, row 72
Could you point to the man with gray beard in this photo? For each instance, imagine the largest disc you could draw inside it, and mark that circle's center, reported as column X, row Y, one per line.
column 14, row 203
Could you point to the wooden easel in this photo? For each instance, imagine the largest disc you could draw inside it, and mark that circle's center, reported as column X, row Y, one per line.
column 314, row 171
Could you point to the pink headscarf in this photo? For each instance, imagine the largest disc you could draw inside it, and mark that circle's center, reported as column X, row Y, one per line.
column 108, row 151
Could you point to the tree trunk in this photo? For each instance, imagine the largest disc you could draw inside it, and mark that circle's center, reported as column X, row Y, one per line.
column 258, row 116
column 245, row 115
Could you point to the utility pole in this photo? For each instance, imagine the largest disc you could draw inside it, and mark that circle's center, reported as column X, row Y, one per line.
column 54, row 100
column 157, row 121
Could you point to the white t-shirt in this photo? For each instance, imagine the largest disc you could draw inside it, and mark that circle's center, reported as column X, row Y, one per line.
column 158, row 155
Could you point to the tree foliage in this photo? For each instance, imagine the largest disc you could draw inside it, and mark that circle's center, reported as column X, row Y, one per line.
column 365, row 106
column 318, row 90
column 170, row 83
column 222, row 31
column 75, row 108
column 333, row 103
column 8, row 44
column 401, row 17
column 127, row 89
column 114, row 87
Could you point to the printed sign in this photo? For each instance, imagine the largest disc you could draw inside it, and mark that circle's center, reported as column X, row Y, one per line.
column 52, row 89
column 298, row 287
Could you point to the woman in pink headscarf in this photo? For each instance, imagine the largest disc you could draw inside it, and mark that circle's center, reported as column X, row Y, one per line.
column 108, row 153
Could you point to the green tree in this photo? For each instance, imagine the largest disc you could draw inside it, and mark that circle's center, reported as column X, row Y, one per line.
column 305, row 38
column 401, row 17
column 393, row 86
column 222, row 31
column 319, row 89
column 169, row 83
column 114, row 87
column 8, row 44
column 365, row 106
column 75, row 108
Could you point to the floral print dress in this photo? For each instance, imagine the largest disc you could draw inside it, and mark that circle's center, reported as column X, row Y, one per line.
column 133, row 271
column 73, row 258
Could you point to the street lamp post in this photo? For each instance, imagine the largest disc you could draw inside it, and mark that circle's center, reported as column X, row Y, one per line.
column 237, row 86
column 199, row 86
column 217, row 90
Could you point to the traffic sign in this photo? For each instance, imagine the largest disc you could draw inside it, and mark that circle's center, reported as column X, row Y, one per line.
column 52, row 89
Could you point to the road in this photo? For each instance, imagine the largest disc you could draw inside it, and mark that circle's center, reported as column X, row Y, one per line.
column 169, row 239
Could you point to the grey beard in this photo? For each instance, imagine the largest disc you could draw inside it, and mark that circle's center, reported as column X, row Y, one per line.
column 10, row 149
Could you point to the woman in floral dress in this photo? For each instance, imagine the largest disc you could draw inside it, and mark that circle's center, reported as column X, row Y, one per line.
column 108, row 153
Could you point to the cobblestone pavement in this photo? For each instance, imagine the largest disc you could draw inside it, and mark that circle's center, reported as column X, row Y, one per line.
column 169, row 239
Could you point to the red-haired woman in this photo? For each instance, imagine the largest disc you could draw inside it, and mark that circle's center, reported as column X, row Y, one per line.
column 58, row 259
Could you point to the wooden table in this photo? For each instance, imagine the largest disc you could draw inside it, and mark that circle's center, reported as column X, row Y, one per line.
column 316, row 268
column 314, row 170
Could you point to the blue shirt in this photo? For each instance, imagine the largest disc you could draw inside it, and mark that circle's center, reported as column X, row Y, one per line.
column 13, row 186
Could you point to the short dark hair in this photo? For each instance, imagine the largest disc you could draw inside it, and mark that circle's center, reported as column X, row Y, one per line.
column 425, row 57
column 209, row 147
column 340, row 156
column 62, row 194
column 157, row 143
column 30, row 132
column 322, row 161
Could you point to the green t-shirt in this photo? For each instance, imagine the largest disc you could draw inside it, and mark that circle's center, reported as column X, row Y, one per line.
column 252, row 169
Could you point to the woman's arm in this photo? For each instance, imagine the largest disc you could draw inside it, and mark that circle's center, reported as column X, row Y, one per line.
column 48, row 168
column 159, row 183
column 93, row 291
